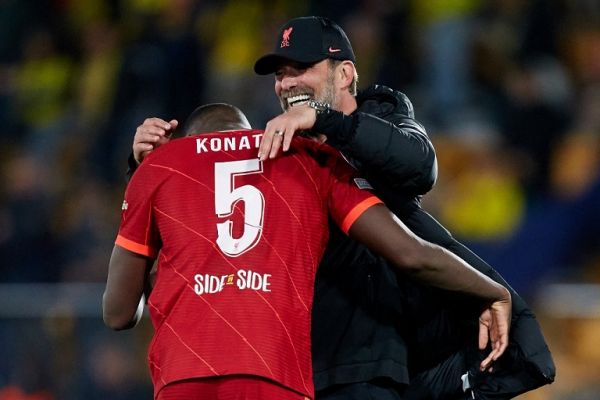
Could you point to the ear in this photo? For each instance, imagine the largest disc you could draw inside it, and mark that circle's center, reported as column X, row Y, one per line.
column 345, row 74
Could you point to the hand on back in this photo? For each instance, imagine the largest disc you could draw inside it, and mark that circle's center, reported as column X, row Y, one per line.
column 280, row 131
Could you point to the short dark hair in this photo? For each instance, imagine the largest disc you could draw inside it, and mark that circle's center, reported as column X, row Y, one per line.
column 215, row 117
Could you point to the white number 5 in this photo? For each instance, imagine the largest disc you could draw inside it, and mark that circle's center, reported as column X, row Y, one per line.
column 226, row 197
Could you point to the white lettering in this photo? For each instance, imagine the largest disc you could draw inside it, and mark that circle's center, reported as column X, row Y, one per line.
column 253, row 280
column 246, row 279
column 257, row 138
column 209, row 283
column 229, row 144
column 200, row 145
column 198, row 287
column 215, row 144
column 244, row 143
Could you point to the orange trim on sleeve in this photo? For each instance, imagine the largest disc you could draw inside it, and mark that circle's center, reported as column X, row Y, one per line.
column 135, row 247
column 357, row 211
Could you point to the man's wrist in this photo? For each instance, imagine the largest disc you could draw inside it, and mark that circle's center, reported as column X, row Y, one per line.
column 337, row 126
column 319, row 107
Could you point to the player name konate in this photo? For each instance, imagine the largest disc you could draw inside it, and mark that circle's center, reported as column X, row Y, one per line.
column 229, row 143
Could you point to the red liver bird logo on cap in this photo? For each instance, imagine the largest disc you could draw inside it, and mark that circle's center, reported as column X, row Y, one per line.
column 285, row 37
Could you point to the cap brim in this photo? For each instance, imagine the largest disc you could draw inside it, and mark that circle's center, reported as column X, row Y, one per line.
column 269, row 63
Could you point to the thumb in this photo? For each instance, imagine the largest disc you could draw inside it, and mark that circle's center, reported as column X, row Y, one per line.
column 174, row 123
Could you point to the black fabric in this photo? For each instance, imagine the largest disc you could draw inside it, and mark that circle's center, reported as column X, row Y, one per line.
column 355, row 336
column 374, row 390
column 384, row 141
column 365, row 318
column 131, row 167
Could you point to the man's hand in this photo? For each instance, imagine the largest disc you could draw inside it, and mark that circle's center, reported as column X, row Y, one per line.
column 153, row 133
column 494, row 326
column 281, row 129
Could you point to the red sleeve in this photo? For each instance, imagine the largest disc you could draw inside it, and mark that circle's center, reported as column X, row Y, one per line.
column 138, row 231
column 349, row 195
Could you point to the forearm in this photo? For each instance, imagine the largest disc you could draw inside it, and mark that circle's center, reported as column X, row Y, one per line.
column 116, row 319
column 428, row 228
column 122, row 300
column 398, row 148
column 423, row 261
column 441, row 268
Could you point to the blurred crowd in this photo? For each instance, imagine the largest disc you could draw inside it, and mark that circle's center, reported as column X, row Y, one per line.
column 509, row 91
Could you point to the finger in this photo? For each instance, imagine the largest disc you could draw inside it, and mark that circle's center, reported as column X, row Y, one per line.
column 484, row 335
column 287, row 139
column 150, row 135
column 501, row 345
column 158, row 127
column 158, row 122
column 154, row 130
column 173, row 123
column 485, row 364
column 265, row 144
column 142, row 147
column 276, row 144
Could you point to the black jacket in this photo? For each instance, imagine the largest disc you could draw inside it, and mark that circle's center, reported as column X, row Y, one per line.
column 365, row 317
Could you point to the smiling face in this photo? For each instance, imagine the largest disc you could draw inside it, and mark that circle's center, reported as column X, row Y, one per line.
column 297, row 83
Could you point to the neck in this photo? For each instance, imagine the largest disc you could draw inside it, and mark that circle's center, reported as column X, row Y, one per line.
column 347, row 104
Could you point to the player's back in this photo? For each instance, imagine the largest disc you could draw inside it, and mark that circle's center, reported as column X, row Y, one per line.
column 240, row 241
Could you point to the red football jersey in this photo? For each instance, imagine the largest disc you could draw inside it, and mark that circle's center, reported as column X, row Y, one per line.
column 240, row 241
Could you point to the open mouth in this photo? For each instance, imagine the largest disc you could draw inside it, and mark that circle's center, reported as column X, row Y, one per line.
column 298, row 99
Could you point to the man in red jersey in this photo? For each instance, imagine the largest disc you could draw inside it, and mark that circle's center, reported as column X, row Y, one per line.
column 240, row 241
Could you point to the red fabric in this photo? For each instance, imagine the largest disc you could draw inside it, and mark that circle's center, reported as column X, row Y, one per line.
column 229, row 388
column 235, row 300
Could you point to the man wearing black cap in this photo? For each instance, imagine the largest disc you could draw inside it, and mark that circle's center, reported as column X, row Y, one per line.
column 361, row 325
column 364, row 322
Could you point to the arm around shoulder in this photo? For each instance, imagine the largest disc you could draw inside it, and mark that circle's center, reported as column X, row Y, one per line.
column 391, row 145
column 432, row 265
column 423, row 261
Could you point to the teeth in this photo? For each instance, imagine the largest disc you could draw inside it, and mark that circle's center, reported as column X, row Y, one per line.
column 299, row 99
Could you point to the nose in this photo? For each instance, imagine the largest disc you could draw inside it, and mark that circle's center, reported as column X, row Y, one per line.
column 288, row 82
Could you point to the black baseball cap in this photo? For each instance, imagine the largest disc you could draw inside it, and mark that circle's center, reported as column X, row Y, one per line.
column 306, row 40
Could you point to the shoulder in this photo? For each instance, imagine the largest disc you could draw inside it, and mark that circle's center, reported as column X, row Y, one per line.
column 380, row 99
column 168, row 150
column 322, row 153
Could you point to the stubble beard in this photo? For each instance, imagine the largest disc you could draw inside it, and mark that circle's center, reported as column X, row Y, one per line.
column 327, row 96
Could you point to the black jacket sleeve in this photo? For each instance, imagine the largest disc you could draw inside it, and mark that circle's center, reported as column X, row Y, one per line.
column 132, row 166
column 395, row 149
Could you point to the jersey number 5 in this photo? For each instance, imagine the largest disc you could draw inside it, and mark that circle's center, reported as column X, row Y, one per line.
column 226, row 198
